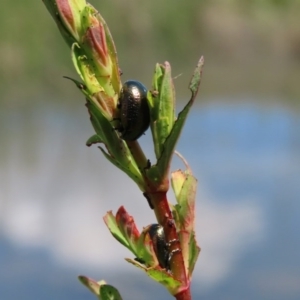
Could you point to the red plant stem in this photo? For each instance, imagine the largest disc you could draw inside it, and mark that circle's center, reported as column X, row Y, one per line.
column 164, row 217
column 157, row 197
column 184, row 295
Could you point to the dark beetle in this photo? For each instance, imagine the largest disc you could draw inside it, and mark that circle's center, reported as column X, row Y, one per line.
column 134, row 110
column 160, row 246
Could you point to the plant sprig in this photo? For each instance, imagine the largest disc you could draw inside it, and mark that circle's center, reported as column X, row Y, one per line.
column 95, row 59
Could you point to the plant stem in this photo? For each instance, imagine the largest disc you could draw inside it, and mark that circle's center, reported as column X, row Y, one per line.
column 157, row 197
column 164, row 217
column 184, row 295
column 138, row 154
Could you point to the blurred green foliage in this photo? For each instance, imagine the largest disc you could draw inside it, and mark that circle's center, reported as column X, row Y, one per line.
column 250, row 47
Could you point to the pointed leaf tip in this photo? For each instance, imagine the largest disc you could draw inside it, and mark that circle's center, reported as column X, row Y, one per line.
column 196, row 78
column 91, row 284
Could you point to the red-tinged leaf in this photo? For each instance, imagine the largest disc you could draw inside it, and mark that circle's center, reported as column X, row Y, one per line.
column 113, row 227
column 70, row 14
column 123, row 228
column 65, row 11
column 95, row 46
column 128, row 228
column 115, row 77
column 184, row 185
column 95, row 39
column 186, row 202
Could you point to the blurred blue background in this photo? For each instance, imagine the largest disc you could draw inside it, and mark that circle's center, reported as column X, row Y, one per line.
column 242, row 141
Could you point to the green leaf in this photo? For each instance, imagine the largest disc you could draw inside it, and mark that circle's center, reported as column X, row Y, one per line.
column 84, row 69
column 123, row 228
column 196, row 78
column 177, row 180
column 52, row 8
column 170, row 143
column 125, row 169
column 113, row 227
column 126, row 232
column 79, row 84
column 162, row 105
column 161, row 276
column 118, row 152
column 194, row 251
column 101, row 125
column 158, row 74
column 76, row 53
column 94, row 139
column 164, row 278
column 108, row 292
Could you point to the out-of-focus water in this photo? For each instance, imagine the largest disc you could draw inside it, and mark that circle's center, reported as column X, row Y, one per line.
column 54, row 192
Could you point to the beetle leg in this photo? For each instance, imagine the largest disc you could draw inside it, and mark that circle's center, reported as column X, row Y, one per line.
column 172, row 252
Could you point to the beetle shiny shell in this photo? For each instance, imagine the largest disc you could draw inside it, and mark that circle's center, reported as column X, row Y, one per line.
column 134, row 110
column 160, row 246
